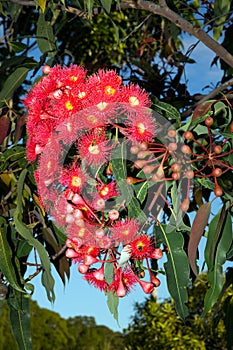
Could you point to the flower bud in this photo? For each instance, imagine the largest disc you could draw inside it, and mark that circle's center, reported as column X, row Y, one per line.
column 83, row 268
column 71, row 253
column 157, row 254
column 147, row 287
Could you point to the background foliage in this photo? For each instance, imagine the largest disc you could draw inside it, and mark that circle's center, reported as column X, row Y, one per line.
column 143, row 41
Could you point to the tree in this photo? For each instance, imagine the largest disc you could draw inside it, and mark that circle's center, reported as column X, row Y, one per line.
column 142, row 41
column 155, row 325
column 48, row 329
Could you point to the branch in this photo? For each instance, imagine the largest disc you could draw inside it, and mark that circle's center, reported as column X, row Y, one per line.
column 209, row 96
column 164, row 11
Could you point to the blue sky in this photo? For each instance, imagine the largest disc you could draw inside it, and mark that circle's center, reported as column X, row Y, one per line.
column 79, row 298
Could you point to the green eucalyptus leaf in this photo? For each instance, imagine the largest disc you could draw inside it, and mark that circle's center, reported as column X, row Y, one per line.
column 113, row 302
column 17, row 46
column 169, row 111
column 89, row 6
column 201, row 129
column 13, row 153
column 141, row 190
column 176, row 219
column 6, row 265
column 106, row 5
column 118, row 162
column 27, row 234
column 176, row 268
column 218, row 244
column 60, row 235
column 20, row 320
column 45, row 37
column 12, row 83
column 109, row 273
column 221, row 10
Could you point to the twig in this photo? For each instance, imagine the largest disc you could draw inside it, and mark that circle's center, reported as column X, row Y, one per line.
column 209, row 96
column 164, row 11
column 60, row 252
column 9, row 194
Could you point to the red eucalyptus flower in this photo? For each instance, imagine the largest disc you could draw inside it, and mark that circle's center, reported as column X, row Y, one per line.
column 141, row 247
column 125, row 231
column 94, row 148
column 73, row 178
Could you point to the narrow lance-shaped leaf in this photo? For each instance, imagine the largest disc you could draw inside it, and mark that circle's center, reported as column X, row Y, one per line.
column 106, row 5
column 113, row 302
column 6, row 265
column 45, row 36
column 218, row 243
column 177, row 269
column 20, row 320
column 12, row 83
column 26, row 233
column 196, row 232
column 118, row 160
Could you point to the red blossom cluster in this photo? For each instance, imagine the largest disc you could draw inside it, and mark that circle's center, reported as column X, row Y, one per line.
column 127, row 267
column 67, row 90
column 78, row 128
column 106, row 160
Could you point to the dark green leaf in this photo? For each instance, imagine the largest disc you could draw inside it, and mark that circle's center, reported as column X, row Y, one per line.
column 12, row 83
column 26, row 233
column 176, row 268
column 6, row 265
column 169, row 111
column 141, row 191
column 61, row 237
column 20, row 320
column 106, row 5
column 17, row 46
column 45, row 36
column 176, row 219
column 89, row 6
column 218, row 244
column 118, row 161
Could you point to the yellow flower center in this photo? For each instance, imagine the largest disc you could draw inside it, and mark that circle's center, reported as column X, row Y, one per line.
column 94, row 149
column 102, row 105
column 90, row 250
column 104, row 191
column 76, row 181
column 134, row 101
column 69, row 105
column 74, row 78
column 92, row 118
column 125, row 232
column 109, row 90
column 82, row 94
column 81, row 232
column 49, row 165
column 141, row 128
column 140, row 246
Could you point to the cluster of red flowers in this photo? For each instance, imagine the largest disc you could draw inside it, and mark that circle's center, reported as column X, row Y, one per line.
column 79, row 128
column 65, row 91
